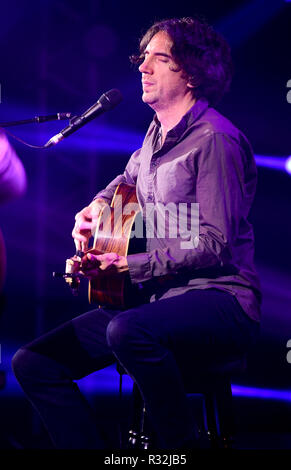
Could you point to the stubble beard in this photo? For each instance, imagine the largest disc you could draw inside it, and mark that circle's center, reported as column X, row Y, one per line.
column 150, row 101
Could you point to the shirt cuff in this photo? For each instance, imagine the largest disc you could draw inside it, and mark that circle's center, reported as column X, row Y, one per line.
column 139, row 267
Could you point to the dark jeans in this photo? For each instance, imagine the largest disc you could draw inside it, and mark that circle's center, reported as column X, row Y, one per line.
column 155, row 343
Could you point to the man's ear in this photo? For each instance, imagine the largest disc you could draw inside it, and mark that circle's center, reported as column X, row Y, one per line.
column 191, row 89
column 193, row 81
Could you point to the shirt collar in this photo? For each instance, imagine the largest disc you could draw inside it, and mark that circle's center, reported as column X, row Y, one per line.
column 187, row 120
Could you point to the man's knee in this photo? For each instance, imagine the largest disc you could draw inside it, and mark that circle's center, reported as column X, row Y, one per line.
column 21, row 363
column 28, row 365
column 121, row 331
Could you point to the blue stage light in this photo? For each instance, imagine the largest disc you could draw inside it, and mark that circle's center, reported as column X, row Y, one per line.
column 101, row 137
column 288, row 161
column 274, row 163
column 262, row 393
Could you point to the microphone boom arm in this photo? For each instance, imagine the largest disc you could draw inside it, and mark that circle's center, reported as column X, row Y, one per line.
column 37, row 119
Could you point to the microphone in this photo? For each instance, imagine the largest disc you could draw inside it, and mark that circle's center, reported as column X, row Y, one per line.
column 107, row 101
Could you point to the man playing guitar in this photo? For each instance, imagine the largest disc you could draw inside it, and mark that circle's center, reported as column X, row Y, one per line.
column 204, row 307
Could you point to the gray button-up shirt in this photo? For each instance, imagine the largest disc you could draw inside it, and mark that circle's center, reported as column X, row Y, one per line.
column 204, row 160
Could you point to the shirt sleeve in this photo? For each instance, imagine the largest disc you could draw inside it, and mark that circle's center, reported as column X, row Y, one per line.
column 128, row 176
column 225, row 185
column 12, row 172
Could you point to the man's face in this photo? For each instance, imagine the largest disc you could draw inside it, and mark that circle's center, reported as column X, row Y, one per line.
column 163, row 82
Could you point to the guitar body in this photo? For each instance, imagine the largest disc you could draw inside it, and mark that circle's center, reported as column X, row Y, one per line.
column 113, row 232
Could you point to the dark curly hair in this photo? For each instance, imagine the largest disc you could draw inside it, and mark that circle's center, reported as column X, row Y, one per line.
column 202, row 53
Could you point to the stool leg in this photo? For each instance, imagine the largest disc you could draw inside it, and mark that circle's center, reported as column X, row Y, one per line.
column 138, row 438
column 218, row 404
column 211, row 418
column 144, row 438
column 225, row 413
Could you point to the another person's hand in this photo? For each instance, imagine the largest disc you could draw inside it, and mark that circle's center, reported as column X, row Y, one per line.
column 85, row 224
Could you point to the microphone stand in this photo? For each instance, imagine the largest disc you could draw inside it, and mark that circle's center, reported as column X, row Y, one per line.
column 38, row 119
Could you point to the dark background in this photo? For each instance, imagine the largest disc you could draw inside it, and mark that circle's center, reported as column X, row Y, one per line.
column 60, row 56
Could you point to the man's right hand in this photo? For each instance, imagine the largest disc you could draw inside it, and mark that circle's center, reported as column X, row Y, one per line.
column 86, row 222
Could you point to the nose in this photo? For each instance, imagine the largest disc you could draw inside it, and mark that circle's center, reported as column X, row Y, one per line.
column 145, row 66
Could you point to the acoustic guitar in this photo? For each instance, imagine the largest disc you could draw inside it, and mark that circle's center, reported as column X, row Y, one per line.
column 114, row 235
